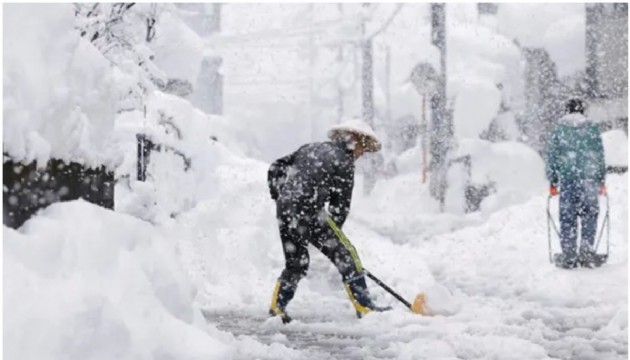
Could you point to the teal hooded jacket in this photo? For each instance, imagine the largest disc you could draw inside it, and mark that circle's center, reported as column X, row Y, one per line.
column 575, row 152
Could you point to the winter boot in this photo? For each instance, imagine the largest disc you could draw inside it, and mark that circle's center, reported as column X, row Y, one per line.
column 589, row 259
column 282, row 293
column 565, row 261
column 360, row 297
column 281, row 313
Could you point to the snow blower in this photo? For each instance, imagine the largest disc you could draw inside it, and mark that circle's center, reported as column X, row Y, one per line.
column 600, row 258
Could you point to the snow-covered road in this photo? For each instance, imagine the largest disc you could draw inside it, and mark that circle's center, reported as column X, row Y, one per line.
column 535, row 333
column 95, row 283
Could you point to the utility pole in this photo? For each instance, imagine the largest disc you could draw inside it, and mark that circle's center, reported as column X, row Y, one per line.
column 440, row 121
column 424, row 78
column 340, row 63
column 216, row 92
column 311, row 71
column 367, row 91
column 424, row 131
column 593, row 38
column 367, row 77
column 388, row 76
column 214, row 25
column 208, row 94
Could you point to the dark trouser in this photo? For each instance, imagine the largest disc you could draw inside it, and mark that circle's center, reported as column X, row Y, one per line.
column 300, row 225
column 578, row 200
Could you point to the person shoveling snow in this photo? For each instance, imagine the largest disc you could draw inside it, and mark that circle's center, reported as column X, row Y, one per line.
column 300, row 184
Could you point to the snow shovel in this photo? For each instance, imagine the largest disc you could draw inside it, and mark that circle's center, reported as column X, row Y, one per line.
column 419, row 303
column 600, row 258
column 418, row 306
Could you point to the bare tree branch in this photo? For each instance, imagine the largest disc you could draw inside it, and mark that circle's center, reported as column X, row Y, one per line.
column 386, row 23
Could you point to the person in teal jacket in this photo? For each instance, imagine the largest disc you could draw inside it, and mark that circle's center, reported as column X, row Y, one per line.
column 576, row 166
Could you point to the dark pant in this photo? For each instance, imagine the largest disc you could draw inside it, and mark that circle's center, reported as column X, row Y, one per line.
column 578, row 200
column 300, row 225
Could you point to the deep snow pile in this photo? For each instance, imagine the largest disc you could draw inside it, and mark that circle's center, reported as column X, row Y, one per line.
column 477, row 64
column 63, row 94
column 87, row 283
column 82, row 282
column 59, row 92
column 193, row 145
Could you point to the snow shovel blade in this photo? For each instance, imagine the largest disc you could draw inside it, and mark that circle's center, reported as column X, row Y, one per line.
column 419, row 305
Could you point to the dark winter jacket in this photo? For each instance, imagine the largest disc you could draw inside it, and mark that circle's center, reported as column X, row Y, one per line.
column 576, row 152
column 313, row 175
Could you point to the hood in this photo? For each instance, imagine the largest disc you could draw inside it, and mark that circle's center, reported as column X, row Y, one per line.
column 574, row 119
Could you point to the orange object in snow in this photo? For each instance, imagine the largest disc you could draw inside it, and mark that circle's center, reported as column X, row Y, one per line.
column 419, row 305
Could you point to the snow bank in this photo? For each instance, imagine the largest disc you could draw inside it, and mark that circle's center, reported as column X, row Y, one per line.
column 469, row 118
column 86, row 283
column 206, row 141
column 517, row 171
column 59, row 92
column 476, row 64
